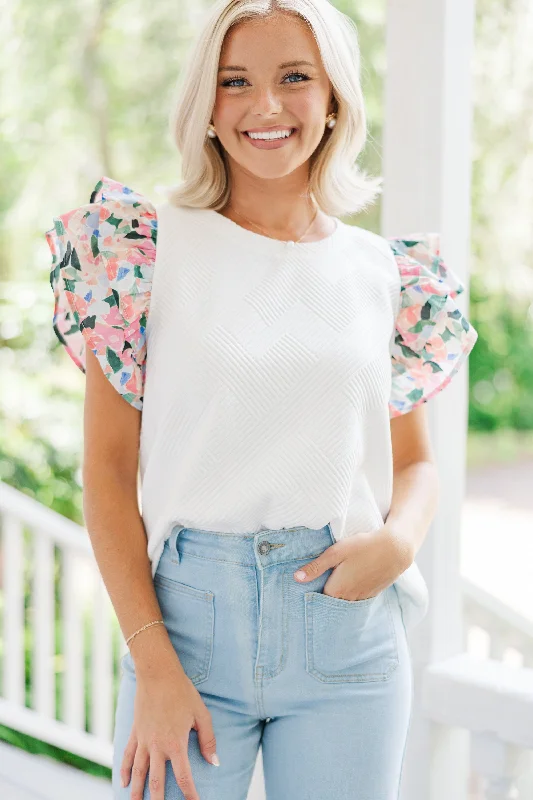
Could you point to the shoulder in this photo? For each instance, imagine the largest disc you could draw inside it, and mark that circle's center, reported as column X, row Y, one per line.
column 372, row 241
column 378, row 251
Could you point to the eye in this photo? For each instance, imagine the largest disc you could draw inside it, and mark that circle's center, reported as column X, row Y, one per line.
column 229, row 81
column 301, row 74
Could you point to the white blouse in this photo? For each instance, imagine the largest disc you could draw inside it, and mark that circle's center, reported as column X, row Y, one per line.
column 267, row 372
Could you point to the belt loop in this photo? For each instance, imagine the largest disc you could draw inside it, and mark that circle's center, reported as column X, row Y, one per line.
column 173, row 543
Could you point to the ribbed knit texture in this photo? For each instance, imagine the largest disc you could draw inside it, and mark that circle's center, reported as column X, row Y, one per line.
column 267, row 384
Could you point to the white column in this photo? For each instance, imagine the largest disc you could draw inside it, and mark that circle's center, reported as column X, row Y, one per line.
column 427, row 156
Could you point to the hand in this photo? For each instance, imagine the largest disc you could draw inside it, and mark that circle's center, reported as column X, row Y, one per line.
column 167, row 706
column 363, row 564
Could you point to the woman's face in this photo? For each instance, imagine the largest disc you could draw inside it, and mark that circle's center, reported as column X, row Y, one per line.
column 258, row 90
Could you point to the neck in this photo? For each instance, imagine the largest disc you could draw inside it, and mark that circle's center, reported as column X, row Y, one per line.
column 283, row 207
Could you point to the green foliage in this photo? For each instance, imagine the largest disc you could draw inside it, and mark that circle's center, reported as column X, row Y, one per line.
column 501, row 363
column 32, row 745
column 110, row 71
column 41, row 403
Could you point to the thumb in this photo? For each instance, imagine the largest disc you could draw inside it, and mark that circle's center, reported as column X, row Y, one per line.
column 206, row 739
column 314, row 568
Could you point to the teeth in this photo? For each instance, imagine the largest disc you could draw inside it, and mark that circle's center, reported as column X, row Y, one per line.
column 271, row 135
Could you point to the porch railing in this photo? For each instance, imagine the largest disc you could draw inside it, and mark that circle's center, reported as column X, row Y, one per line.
column 62, row 647
column 61, row 640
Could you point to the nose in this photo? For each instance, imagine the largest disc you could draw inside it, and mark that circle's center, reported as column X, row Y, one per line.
column 266, row 103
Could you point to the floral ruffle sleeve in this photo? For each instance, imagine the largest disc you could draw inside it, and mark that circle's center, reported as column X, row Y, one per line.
column 103, row 256
column 432, row 338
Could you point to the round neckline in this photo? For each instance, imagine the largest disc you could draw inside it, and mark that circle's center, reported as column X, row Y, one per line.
column 268, row 241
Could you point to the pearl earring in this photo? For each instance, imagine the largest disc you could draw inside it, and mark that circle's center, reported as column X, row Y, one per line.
column 331, row 120
column 211, row 132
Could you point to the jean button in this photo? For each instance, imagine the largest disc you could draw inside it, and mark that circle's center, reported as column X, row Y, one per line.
column 264, row 548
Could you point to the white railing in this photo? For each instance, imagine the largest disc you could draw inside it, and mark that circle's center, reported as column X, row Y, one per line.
column 489, row 695
column 489, row 691
column 505, row 634
column 43, row 557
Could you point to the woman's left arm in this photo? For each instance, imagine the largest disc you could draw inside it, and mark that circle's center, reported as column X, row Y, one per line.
column 415, row 484
column 365, row 564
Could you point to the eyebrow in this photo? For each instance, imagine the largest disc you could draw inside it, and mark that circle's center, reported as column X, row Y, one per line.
column 280, row 66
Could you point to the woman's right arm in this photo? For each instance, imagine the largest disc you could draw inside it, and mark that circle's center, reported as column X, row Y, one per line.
column 167, row 704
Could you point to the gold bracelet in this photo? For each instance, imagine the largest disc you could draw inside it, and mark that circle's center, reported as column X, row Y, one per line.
column 155, row 622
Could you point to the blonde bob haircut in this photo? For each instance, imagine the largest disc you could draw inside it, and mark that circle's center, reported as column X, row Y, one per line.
column 335, row 181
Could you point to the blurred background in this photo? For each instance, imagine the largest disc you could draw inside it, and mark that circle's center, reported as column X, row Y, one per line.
column 85, row 92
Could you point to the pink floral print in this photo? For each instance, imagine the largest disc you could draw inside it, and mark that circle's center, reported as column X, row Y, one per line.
column 103, row 257
column 432, row 338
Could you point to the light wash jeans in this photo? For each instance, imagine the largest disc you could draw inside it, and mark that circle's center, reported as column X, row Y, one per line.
column 323, row 684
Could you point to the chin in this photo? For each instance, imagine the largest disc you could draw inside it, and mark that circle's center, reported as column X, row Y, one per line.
column 270, row 174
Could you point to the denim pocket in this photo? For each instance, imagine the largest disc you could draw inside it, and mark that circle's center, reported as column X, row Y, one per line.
column 189, row 616
column 349, row 640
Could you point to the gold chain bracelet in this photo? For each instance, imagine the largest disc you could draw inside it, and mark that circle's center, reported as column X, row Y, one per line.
column 155, row 622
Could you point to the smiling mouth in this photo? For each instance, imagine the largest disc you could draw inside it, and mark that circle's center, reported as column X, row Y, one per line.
column 269, row 138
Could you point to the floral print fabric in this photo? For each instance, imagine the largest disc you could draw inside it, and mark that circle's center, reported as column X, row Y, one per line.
column 103, row 256
column 432, row 337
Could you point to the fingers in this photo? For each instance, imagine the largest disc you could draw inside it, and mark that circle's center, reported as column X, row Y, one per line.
column 138, row 773
column 206, row 738
column 127, row 759
column 137, row 759
column 182, row 771
column 156, row 784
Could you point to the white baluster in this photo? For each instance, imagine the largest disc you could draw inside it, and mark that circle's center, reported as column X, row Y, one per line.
column 43, row 615
column 498, row 642
column 524, row 778
column 527, row 650
column 13, row 583
column 101, row 663
column 497, row 763
column 73, row 666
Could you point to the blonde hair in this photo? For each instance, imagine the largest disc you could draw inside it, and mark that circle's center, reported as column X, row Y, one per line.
column 335, row 181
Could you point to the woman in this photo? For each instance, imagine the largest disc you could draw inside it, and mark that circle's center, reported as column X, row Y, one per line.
column 279, row 360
